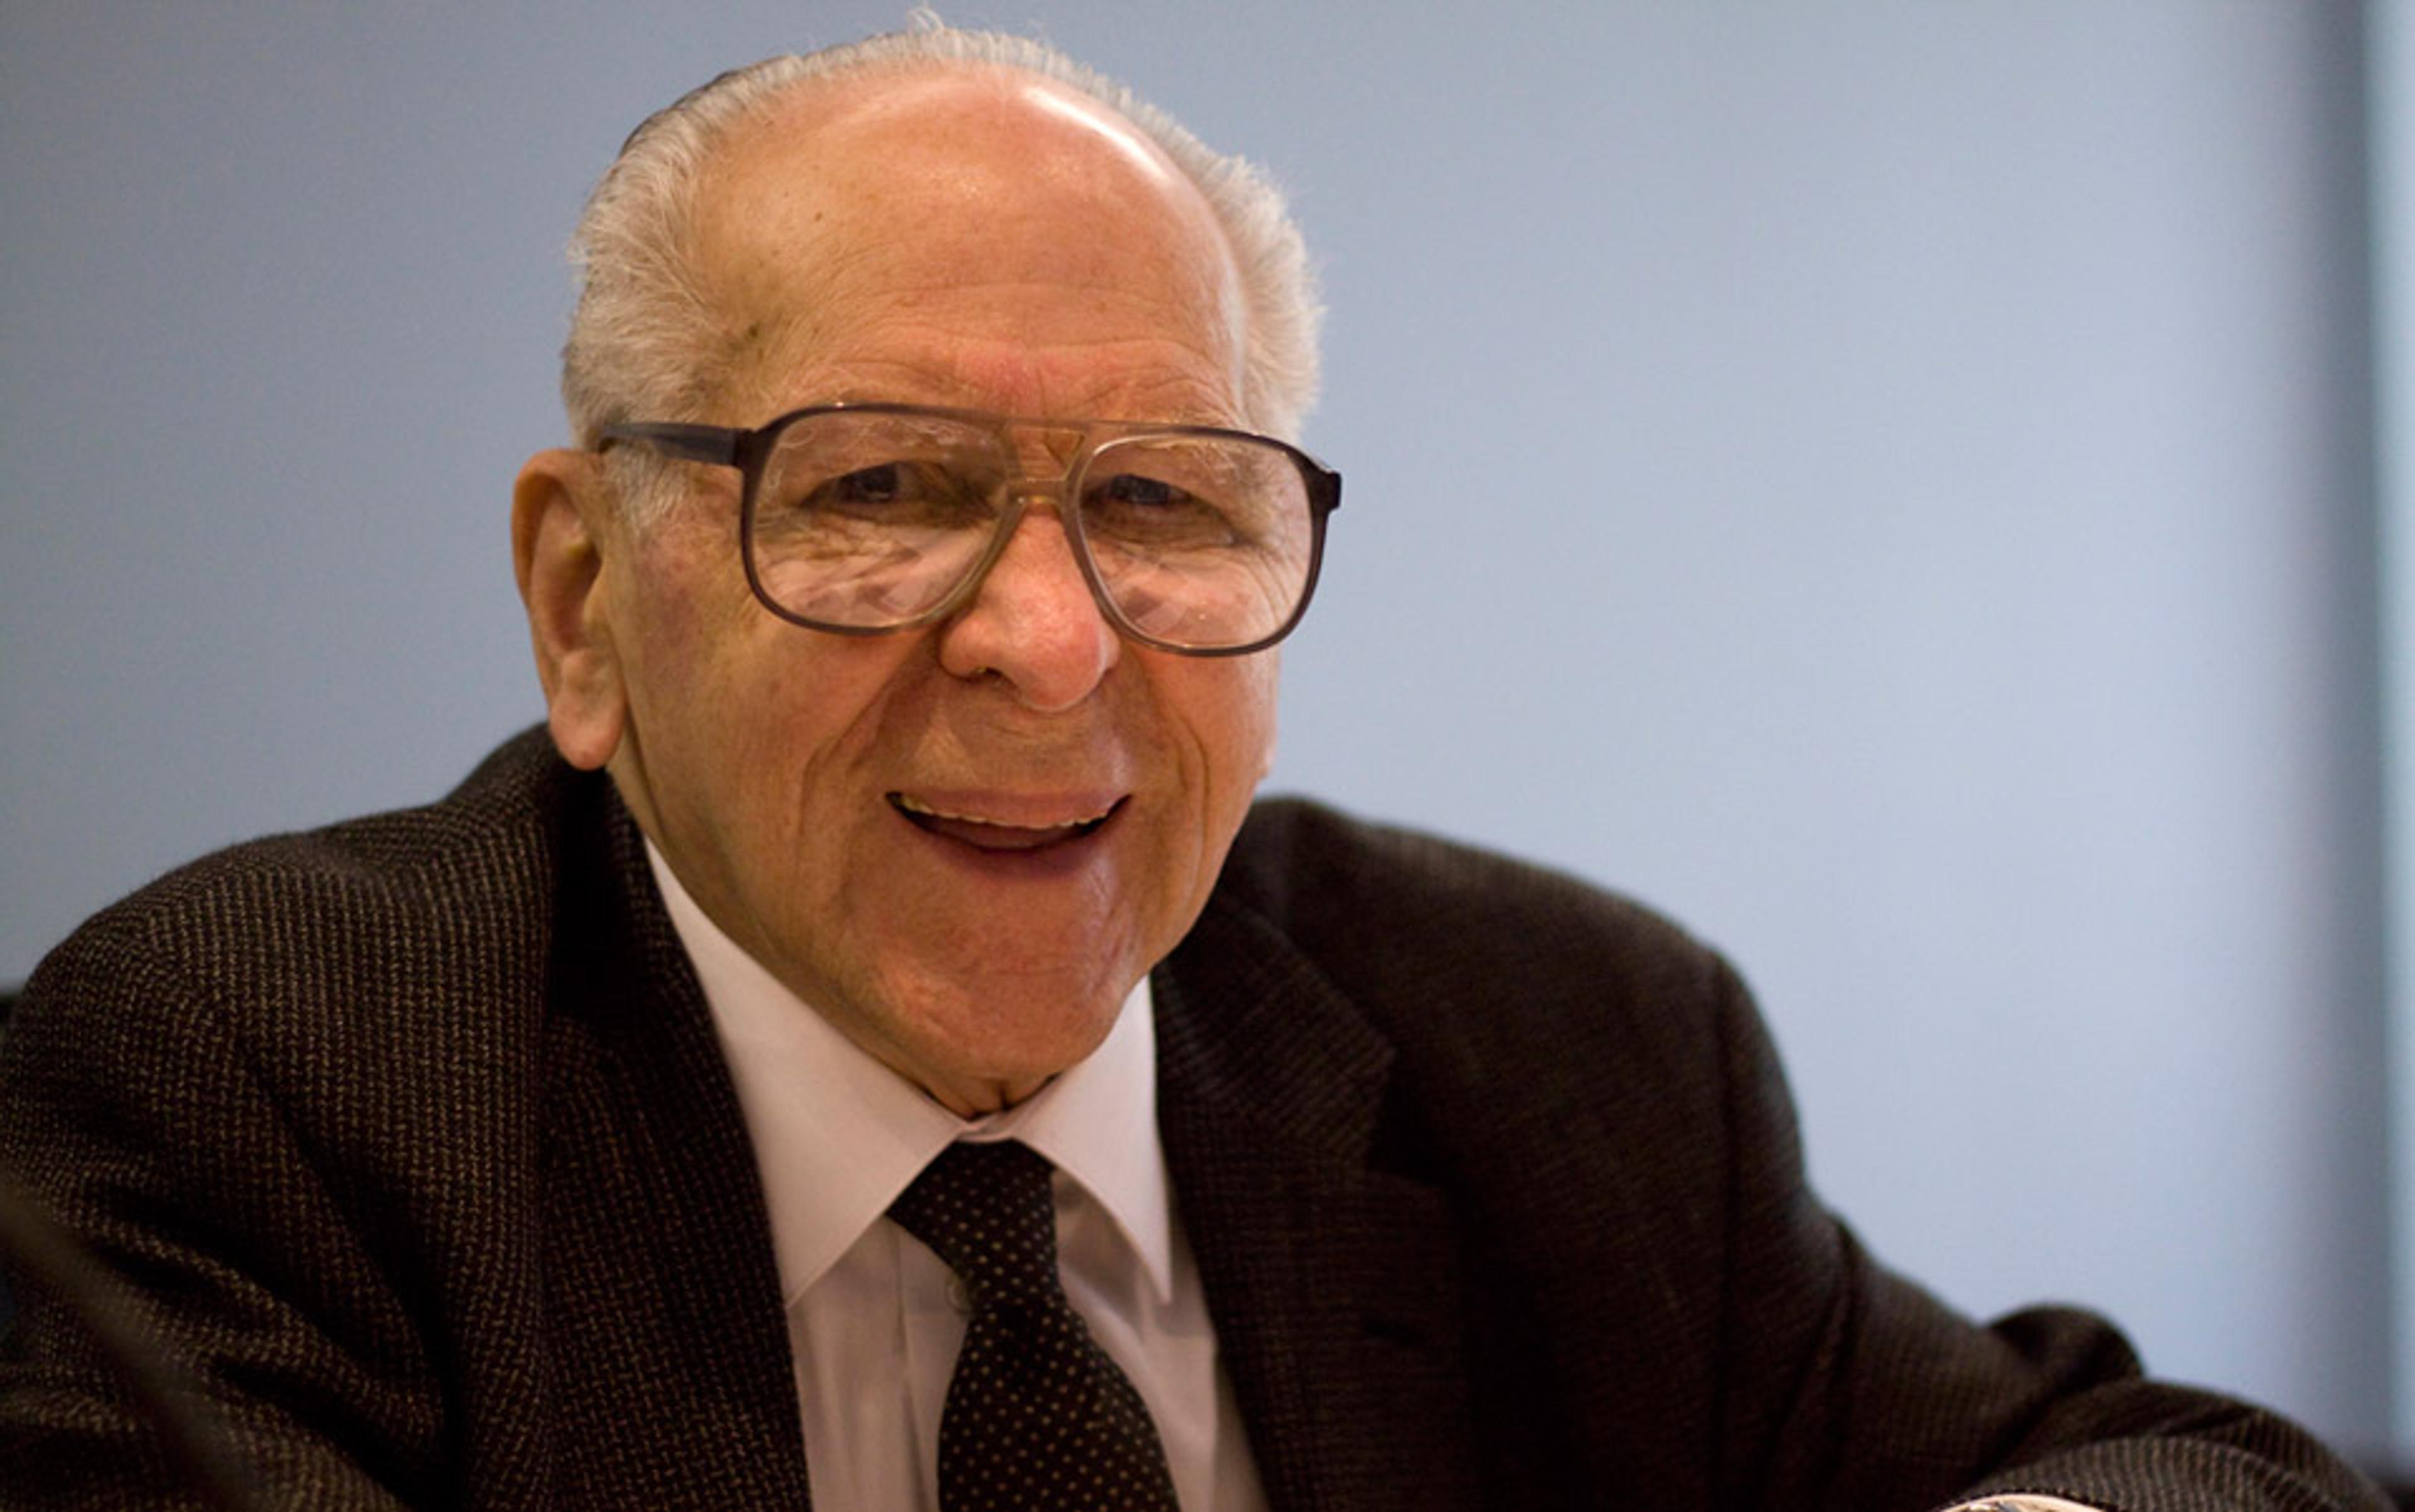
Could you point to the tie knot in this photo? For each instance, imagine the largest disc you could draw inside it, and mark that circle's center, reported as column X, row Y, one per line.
column 986, row 1210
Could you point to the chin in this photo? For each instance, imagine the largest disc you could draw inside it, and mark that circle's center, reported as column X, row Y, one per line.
column 997, row 1039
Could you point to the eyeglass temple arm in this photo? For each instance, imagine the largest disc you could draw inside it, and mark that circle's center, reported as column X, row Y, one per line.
column 694, row 443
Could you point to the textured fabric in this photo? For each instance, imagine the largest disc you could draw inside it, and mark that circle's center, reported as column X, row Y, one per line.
column 416, row 1130
column 1038, row 1418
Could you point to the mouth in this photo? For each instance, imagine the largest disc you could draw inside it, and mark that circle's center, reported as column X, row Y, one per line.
column 996, row 834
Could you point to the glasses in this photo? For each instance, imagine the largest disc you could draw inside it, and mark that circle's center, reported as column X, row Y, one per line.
column 865, row 518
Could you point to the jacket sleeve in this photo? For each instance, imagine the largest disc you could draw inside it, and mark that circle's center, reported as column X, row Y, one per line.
column 1855, row 1389
column 135, row 1119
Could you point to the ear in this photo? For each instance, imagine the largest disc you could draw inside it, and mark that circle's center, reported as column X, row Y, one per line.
column 561, row 523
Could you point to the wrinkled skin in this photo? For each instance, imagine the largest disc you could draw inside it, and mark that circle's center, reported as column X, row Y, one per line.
column 894, row 825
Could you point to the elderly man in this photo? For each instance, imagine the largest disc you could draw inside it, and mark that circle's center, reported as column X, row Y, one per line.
column 873, row 1053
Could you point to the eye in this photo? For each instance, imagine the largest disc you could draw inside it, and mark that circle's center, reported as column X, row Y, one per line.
column 1137, row 512
column 888, row 483
column 1139, row 492
column 904, row 492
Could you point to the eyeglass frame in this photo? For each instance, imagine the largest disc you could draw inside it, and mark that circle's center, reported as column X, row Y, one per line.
column 748, row 449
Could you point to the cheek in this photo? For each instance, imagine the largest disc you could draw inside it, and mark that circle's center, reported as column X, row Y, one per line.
column 716, row 670
column 679, row 612
column 1247, row 721
column 1227, row 710
column 701, row 684
column 1267, row 673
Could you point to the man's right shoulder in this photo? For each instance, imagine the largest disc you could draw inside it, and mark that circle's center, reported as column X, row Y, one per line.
column 509, row 805
column 388, row 897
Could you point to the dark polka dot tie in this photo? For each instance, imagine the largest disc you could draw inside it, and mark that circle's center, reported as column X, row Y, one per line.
column 1037, row 1419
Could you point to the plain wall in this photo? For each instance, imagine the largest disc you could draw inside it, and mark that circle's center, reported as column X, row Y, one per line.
column 1887, row 482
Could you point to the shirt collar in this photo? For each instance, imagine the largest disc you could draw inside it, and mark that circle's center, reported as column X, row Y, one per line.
column 837, row 1135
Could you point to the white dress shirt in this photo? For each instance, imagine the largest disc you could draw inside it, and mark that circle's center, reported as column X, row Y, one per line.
column 874, row 1318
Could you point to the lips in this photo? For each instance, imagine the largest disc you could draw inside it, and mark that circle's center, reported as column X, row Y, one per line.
column 1026, row 829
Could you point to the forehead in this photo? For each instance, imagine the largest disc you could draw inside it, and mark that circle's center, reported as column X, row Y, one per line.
column 966, row 235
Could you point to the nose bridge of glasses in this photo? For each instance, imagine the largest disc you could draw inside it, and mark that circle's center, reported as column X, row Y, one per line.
column 1042, row 457
column 1035, row 556
column 1042, row 454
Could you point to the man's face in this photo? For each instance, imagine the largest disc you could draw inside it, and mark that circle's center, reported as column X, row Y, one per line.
column 902, row 827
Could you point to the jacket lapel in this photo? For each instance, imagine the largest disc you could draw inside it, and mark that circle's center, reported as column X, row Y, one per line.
column 1333, row 1281
column 670, row 1366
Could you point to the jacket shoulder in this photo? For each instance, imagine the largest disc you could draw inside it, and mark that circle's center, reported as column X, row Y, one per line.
column 329, row 946
column 1502, row 984
column 274, row 901
column 1352, row 893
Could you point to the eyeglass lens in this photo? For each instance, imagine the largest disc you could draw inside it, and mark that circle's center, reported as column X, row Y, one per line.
column 868, row 519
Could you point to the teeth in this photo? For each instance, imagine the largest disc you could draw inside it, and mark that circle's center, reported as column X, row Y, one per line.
column 914, row 805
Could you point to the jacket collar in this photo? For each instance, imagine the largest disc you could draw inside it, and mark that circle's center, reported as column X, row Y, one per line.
column 669, row 1355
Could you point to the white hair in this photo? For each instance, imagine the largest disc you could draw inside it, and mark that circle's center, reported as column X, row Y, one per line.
column 646, row 343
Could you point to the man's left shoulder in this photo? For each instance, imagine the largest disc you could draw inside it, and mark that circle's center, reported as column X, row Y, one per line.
column 1315, row 871
column 1411, row 924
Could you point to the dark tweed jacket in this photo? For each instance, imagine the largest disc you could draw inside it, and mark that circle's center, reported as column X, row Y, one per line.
column 414, row 1134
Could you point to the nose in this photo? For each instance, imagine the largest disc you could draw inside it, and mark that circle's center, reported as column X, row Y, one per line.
column 1033, row 623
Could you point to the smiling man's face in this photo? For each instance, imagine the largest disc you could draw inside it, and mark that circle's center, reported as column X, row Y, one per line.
column 908, row 829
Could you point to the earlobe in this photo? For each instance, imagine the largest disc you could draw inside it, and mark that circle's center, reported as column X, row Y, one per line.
column 560, row 529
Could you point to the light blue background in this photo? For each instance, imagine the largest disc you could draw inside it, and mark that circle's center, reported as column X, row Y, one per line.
column 1889, row 482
